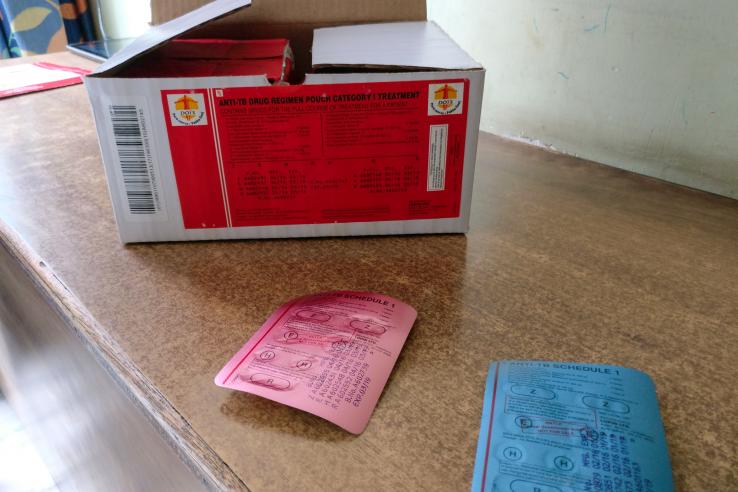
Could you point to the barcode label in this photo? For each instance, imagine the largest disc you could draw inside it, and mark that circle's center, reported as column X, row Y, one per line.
column 133, row 146
column 437, row 143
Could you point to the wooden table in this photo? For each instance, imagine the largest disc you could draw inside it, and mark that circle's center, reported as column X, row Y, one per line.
column 566, row 260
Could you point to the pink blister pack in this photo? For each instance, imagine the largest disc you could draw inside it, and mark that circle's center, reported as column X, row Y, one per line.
column 329, row 354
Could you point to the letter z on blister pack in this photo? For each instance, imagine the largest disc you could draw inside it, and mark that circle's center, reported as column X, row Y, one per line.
column 565, row 427
column 329, row 354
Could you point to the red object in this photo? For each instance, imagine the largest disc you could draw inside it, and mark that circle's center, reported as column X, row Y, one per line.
column 311, row 154
column 217, row 57
column 32, row 83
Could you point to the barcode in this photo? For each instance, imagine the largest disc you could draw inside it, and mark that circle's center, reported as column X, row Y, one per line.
column 131, row 142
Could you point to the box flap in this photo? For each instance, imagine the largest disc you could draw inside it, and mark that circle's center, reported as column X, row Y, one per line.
column 396, row 44
column 175, row 27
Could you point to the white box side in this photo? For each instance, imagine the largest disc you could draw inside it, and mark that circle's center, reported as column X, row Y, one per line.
column 104, row 91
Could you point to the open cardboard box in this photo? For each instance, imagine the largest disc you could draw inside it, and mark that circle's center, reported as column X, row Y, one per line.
column 376, row 133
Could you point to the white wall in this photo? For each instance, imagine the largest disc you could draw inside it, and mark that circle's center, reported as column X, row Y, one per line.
column 645, row 85
column 121, row 18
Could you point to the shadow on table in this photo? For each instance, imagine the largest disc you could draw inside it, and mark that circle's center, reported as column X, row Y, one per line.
column 254, row 410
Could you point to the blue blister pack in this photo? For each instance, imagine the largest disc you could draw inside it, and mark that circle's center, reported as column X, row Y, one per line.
column 566, row 427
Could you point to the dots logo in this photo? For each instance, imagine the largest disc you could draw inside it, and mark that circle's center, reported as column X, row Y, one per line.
column 446, row 98
column 187, row 109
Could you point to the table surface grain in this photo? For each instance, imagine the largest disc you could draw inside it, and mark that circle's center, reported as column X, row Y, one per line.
column 566, row 260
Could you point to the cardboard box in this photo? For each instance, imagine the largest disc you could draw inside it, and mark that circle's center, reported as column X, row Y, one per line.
column 377, row 135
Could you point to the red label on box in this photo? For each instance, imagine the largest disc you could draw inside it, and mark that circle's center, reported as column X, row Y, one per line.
column 312, row 154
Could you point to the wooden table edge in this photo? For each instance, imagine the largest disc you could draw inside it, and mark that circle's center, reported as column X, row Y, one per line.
column 188, row 445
